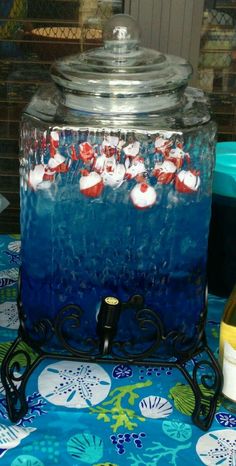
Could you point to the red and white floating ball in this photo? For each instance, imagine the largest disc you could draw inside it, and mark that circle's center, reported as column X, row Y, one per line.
column 36, row 176
column 143, row 196
column 91, row 184
column 132, row 150
column 165, row 172
column 137, row 167
column 187, row 181
column 86, row 152
column 114, row 177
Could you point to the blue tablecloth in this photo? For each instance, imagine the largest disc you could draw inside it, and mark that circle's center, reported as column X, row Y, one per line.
column 124, row 415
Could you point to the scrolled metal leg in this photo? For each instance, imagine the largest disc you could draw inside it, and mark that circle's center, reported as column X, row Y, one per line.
column 205, row 379
column 16, row 369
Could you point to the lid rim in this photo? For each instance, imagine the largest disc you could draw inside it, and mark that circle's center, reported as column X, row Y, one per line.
column 134, row 70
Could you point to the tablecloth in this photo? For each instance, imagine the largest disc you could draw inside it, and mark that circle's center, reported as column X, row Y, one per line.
column 126, row 415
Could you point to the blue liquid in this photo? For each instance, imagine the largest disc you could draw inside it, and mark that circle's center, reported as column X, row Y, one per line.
column 78, row 250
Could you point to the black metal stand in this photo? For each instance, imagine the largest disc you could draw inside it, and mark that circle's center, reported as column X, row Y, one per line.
column 204, row 377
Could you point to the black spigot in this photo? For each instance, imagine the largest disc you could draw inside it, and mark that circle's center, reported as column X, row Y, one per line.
column 108, row 318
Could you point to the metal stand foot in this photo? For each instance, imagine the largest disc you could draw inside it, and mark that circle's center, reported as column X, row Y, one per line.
column 16, row 369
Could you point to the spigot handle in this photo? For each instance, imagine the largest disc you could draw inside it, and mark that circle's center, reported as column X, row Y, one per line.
column 108, row 318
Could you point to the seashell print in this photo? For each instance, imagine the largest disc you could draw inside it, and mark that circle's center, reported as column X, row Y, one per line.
column 10, row 274
column 9, row 315
column 6, row 282
column 14, row 246
column 184, row 399
column 155, row 407
column 176, row 430
column 217, row 448
column 73, row 384
column 87, row 448
column 26, row 460
column 11, row 436
column 22, row 349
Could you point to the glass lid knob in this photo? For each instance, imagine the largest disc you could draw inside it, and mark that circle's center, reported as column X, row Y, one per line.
column 121, row 34
column 121, row 69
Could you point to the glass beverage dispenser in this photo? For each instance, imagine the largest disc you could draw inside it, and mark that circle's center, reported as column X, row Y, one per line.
column 116, row 178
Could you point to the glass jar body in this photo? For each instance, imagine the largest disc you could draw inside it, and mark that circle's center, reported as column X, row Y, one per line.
column 116, row 207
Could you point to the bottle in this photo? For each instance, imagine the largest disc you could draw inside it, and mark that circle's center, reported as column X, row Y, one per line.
column 227, row 352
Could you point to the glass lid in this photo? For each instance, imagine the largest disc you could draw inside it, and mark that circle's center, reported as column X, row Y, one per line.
column 121, row 68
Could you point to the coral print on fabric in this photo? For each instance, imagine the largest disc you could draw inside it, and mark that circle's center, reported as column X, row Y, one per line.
column 116, row 409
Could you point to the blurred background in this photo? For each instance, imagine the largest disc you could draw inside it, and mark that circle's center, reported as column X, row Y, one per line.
column 33, row 33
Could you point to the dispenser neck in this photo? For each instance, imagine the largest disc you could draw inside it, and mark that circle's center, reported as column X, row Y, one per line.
column 102, row 104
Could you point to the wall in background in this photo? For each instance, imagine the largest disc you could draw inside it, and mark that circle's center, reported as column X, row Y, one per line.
column 171, row 26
